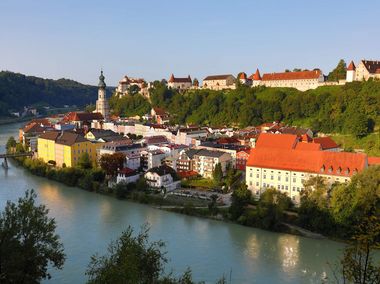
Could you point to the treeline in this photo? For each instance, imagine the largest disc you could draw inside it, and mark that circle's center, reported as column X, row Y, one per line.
column 353, row 108
column 18, row 90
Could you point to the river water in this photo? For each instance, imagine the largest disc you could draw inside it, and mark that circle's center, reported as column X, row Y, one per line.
column 87, row 222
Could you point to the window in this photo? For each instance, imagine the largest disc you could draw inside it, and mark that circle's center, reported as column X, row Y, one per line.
column 294, row 179
column 278, row 187
column 257, row 176
column 250, row 175
column 294, row 188
column 279, row 178
column 282, row 187
column 286, row 187
column 264, row 184
column 250, row 183
column 271, row 177
column 287, row 179
column 257, row 184
column 265, row 176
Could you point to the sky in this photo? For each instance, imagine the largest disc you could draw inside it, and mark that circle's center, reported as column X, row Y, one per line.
column 151, row 39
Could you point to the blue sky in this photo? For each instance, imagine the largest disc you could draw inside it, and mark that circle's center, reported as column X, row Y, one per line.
column 151, row 39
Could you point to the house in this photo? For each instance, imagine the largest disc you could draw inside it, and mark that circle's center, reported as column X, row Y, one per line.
column 301, row 80
column 29, row 134
column 241, row 159
column 151, row 159
column 230, row 149
column 82, row 119
column 180, row 83
column 244, row 80
column 132, row 161
column 219, row 82
column 127, row 82
column 65, row 148
column 287, row 167
column 204, row 161
column 160, row 115
column 365, row 70
column 185, row 160
column 327, row 144
column 122, row 146
column 190, row 135
column 162, row 177
column 255, row 78
column 156, row 140
column 101, row 135
column 127, row 175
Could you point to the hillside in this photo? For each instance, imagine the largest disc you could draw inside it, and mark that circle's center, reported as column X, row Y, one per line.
column 18, row 90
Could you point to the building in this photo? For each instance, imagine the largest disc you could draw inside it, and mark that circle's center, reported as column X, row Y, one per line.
column 327, row 144
column 29, row 134
column 102, row 106
column 162, row 177
column 127, row 175
column 244, row 80
column 102, row 136
column 82, row 119
column 287, row 169
column 255, row 78
column 365, row 70
column 65, row 148
column 132, row 161
column 127, row 83
column 204, row 161
column 241, row 159
column 122, row 146
column 180, row 83
column 219, row 82
column 151, row 159
column 302, row 80
column 160, row 115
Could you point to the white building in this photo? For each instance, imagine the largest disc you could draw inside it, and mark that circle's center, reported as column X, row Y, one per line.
column 162, row 177
column 366, row 69
column 151, row 159
column 102, row 103
column 132, row 161
column 127, row 175
column 219, row 82
column 127, row 82
column 204, row 161
column 180, row 83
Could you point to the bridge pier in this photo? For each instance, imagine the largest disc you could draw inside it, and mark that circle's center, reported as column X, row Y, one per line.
column 5, row 163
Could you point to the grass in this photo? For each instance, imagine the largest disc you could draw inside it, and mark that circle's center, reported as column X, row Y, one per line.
column 199, row 183
column 370, row 144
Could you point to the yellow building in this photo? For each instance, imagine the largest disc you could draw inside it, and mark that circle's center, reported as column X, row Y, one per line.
column 65, row 148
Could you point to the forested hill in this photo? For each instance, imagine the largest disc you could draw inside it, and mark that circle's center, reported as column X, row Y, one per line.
column 18, row 90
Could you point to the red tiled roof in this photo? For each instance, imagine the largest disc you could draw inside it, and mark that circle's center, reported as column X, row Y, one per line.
column 159, row 139
column 302, row 146
column 256, row 76
column 301, row 75
column 325, row 142
column 373, row 161
column 186, row 174
column 280, row 141
column 243, row 76
column 322, row 162
column 33, row 128
column 227, row 140
column 82, row 116
column 159, row 111
column 351, row 67
column 217, row 77
column 127, row 172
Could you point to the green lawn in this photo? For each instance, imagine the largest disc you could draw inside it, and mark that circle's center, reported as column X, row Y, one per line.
column 370, row 144
column 202, row 183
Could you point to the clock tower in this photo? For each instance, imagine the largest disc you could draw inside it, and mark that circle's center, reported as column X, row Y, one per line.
column 102, row 103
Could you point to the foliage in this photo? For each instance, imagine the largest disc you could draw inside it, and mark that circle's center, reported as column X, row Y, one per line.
column 217, row 173
column 357, row 265
column 111, row 163
column 17, row 90
column 339, row 73
column 28, row 242
column 129, row 105
column 11, row 144
column 241, row 196
column 84, row 161
column 133, row 259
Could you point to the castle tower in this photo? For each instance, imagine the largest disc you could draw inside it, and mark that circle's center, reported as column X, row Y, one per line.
column 102, row 103
column 350, row 74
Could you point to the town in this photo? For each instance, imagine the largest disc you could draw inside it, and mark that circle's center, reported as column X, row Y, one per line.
column 270, row 155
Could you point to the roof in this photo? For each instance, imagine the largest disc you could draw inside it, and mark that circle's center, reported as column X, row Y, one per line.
column 217, row 77
column 173, row 79
column 163, row 170
column 280, row 141
column 209, row 153
column 325, row 142
column 159, row 139
column 190, row 153
column 373, row 161
column 351, row 67
column 82, row 116
column 33, row 128
column 303, row 146
column 322, row 162
column 128, row 172
column 243, row 76
column 301, row 75
column 256, row 76
column 372, row 66
column 227, row 140
column 50, row 135
column 69, row 138
column 187, row 174
column 159, row 111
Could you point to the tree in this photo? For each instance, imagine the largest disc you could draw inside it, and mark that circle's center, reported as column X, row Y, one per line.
column 11, row 144
column 357, row 265
column 241, row 196
column 357, row 124
column 217, row 173
column 84, row 161
column 133, row 259
column 339, row 73
column 28, row 242
column 111, row 163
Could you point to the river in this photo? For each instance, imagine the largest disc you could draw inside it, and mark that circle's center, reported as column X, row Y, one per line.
column 87, row 222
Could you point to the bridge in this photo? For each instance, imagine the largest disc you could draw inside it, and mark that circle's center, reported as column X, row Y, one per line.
column 13, row 155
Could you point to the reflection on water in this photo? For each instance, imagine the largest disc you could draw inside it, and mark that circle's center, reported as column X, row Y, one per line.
column 288, row 247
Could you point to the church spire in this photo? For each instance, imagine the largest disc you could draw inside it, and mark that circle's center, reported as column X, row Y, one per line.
column 101, row 84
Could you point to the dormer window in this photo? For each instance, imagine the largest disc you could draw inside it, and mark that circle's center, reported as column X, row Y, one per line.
column 355, row 171
column 339, row 170
column 347, row 171
column 322, row 168
column 330, row 169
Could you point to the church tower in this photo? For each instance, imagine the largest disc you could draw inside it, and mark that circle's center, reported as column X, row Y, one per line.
column 102, row 103
column 351, row 70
